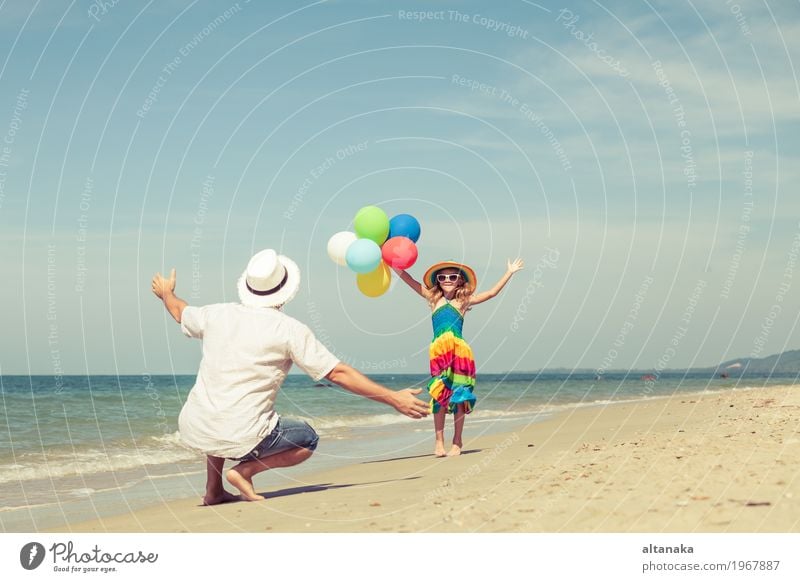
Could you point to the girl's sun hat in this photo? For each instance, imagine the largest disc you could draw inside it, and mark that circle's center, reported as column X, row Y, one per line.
column 430, row 275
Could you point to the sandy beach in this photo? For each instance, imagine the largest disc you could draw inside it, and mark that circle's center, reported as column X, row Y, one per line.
column 716, row 462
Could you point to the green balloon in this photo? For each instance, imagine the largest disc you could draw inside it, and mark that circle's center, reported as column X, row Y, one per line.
column 371, row 222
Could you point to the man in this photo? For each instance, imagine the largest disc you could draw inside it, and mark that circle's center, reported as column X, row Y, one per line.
column 248, row 348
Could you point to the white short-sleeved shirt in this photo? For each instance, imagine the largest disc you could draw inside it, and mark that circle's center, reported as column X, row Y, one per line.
column 247, row 352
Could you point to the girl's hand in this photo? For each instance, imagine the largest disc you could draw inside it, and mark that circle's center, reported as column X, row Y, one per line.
column 517, row 265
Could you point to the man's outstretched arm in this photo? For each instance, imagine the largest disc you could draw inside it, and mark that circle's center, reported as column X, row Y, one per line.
column 404, row 401
column 164, row 289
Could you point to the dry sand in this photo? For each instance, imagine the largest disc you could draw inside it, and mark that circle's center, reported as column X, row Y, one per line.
column 721, row 462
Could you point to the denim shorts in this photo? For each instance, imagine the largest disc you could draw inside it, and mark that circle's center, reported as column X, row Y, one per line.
column 288, row 434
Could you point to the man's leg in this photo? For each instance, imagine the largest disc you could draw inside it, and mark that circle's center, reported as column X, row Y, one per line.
column 241, row 476
column 215, row 492
column 292, row 442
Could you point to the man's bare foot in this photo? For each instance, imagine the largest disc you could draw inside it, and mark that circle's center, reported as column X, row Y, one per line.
column 454, row 451
column 243, row 484
column 224, row 497
column 439, row 450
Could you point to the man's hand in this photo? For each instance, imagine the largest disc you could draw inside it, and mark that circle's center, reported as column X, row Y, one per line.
column 405, row 402
column 162, row 286
column 164, row 289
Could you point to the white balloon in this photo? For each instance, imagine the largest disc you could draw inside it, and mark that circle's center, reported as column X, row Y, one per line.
column 338, row 245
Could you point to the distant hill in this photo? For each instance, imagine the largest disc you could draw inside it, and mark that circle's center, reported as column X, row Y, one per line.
column 785, row 363
column 777, row 364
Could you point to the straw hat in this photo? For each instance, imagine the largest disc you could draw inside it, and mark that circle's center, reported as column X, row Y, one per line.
column 429, row 279
column 270, row 280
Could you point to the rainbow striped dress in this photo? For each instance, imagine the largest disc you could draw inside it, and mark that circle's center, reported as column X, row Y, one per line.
column 452, row 364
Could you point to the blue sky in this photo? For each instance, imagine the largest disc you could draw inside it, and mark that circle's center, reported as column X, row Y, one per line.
column 643, row 155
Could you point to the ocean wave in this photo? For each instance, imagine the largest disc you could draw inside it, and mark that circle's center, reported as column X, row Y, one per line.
column 355, row 421
column 335, row 425
column 115, row 457
column 166, row 449
column 83, row 492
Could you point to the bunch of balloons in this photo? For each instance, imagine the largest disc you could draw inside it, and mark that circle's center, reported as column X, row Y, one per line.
column 377, row 244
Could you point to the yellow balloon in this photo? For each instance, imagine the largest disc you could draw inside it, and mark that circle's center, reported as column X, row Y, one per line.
column 375, row 283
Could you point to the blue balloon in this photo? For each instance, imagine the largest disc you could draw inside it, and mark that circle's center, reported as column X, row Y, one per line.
column 404, row 225
column 363, row 256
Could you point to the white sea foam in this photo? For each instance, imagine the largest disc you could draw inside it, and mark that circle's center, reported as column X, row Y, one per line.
column 52, row 464
column 167, row 449
column 324, row 423
column 83, row 492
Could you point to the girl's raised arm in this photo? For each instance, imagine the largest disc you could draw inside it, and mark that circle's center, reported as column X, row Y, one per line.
column 513, row 267
column 411, row 282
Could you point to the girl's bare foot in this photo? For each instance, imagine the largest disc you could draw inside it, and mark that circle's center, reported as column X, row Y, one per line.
column 439, row 450
column 224, row 497
column 244, row 484
column 454, row 451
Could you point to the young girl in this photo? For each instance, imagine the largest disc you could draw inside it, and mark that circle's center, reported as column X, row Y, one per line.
column 450, row 291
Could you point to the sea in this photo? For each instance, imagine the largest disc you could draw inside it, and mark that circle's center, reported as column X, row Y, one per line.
column 75, row 448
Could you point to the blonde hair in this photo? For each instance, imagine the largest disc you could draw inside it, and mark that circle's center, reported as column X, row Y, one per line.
column 463, row 293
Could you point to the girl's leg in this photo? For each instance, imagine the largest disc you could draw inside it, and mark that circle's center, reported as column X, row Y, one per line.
column 438, row 428
column 459, row 429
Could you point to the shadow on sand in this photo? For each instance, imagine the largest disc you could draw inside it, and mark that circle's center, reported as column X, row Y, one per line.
column 325, row 487
column 431, row 455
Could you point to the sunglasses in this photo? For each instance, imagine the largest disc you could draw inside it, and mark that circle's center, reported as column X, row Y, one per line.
column 452, row 278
